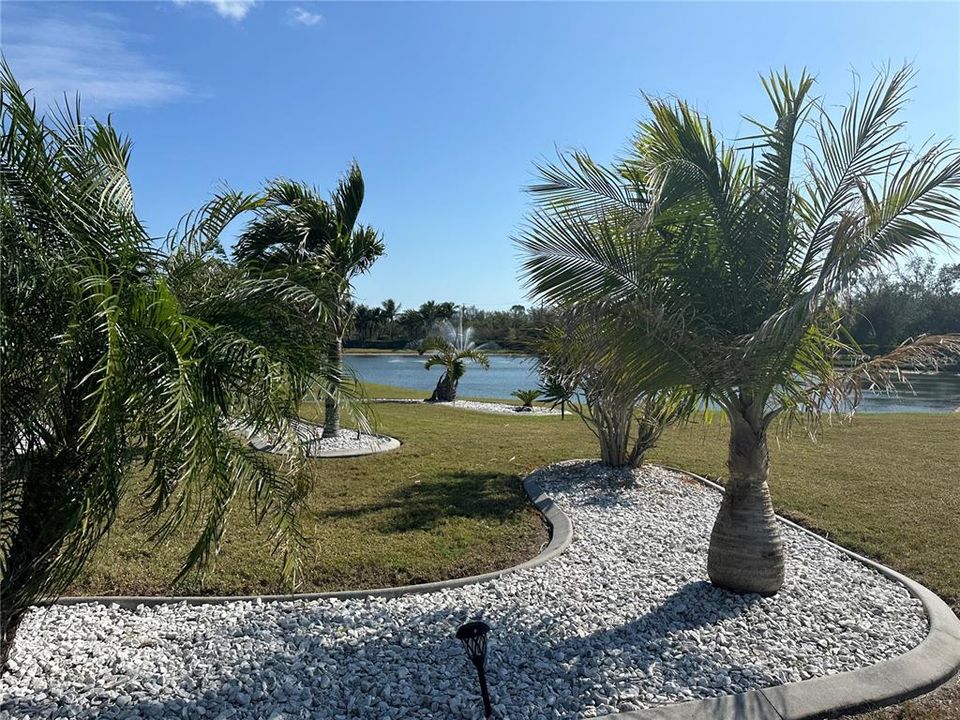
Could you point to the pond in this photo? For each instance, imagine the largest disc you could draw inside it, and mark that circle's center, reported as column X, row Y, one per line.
column 932, row 392
column 506, row 374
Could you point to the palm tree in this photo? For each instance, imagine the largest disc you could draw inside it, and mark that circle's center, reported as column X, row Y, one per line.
column 367, row 321
column 625, row 405
column 389, row 310
column 452, row 356
column 555, row 390
column 115, row 354
column 743, row 258
column 527, row 397
column 300, row 235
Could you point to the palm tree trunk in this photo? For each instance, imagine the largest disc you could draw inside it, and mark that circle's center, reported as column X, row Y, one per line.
column 331, row 406
column 746, row 551
column 613, row 431
column 445, row 391
column 8, row 633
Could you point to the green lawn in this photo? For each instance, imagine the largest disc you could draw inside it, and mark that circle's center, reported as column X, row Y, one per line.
column 449, row 501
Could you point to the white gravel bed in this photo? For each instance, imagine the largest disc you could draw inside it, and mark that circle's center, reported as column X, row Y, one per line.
column 503, row 408
column 498, row 408
column 344, row 442
column 622, row 620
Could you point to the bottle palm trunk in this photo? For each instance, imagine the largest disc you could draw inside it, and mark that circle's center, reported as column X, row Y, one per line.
column 446, row 389
column 331, row 406
column 746, row 551
column 612, row 425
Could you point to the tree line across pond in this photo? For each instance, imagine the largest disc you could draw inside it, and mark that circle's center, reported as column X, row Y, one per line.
column 882, row 309
column 389, row 326
column 886, row 309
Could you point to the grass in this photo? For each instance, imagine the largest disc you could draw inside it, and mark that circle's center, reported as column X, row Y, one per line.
column 449, row 503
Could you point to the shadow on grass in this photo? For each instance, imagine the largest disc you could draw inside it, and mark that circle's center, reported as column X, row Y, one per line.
column 307, row 664
column 482, row 496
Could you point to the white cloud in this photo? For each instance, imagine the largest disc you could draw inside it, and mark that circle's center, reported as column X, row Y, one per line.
column 231, row 9
column 91, row 55
column 304, row 17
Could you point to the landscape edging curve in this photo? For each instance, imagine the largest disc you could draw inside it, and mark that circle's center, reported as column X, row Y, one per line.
column 561, row 536
column 934, row 661
column 391, row 443
column 921, row 669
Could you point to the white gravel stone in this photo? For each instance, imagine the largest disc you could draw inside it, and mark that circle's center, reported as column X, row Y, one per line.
column 318, row 446
column 499, row 408
column 503, row 408
column 624, row 619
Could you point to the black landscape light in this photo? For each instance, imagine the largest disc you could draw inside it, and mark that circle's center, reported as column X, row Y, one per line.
column 473, row 635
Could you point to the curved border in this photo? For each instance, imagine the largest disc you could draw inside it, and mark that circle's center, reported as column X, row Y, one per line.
column 385, row 444
column 927, row 666
column 561, row 536
column 507, row 411
column 391, row 443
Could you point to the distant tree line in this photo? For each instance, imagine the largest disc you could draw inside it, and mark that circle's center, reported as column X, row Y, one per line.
column 887, row 309
column 389, row 326
column 883, row 310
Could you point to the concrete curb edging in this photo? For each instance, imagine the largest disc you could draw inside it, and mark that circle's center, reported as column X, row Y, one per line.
column 927, row 666
column 561, row 536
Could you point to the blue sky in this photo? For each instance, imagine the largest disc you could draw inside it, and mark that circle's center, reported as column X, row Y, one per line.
column 444, row 105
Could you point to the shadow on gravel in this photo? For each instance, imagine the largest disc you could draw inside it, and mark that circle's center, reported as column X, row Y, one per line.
column 308, row 665
column 481, row 496
column 609, row 488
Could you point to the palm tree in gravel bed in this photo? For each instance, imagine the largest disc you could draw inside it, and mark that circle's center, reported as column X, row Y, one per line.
column 118, row 355
column 319, row 243
column 452, row 357
column 555, row 391
column 626, row 405
column 741, row 256
column 527, row 398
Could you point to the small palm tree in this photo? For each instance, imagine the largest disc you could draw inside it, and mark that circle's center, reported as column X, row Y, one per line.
column 453, row 359
column 389, row 311
column 740, row 260
column 299, row 234
column 624, row 405
column 116, row 354
column 556, row 392
column 527, row 397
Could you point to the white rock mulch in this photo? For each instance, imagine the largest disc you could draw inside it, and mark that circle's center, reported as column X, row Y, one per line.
column 622, row 620
column 344, row 443
column 503, row 408
column 498, row 408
